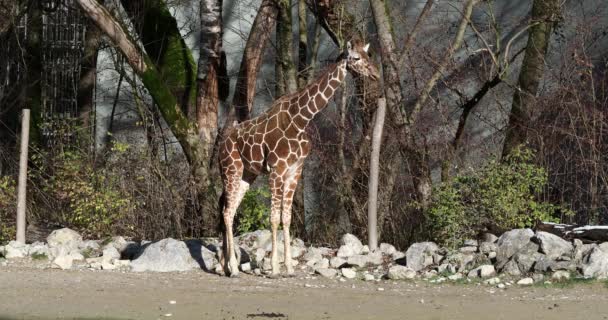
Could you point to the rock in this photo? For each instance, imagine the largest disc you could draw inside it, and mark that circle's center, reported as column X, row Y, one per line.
column 420, row 255
column 387, row 249
column 326, row 272
column 488, row 237
column 63, row 262
column 258, row 255
column 267, row 264
column 357, row 260
column 110, row 253
column 66, row 238
column 492, row 255
column 346, row 251
column 375, row 258
column 349, row 273
column 470, row 243
column 484, row 271
column 399, row 272
column 455, row 276
column 492, row 281
column 560, row 275
column 164, row 256
column 122, row 263
column 398, row 255
column 443, row 268
column 511, row 269
column 500, row 286
column 16, row 250
column 525, row 262
column 487, row 247
column 297, row 251
column 322, row 264
column 352, row 241
column 595, row 264
column 437, row 258
column 365, row 249
column 106, row 265
column 206, row 257
column 468, row 249
column 510, row 243
column 246, row 267
column 526, row 282
column 552, row 246
column 368, row 277
column 581, row 250
column 313, row 254
column 538, row 277
column 461, row 261
column 429, row 274
column 337, row 262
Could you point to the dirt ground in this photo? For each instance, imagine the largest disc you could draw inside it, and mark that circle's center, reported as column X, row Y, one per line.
column 30, row 293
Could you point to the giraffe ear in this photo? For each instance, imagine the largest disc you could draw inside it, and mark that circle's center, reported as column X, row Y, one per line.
column 366, row 47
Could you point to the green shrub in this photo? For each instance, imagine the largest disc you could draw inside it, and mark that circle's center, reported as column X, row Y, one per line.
column 89, row 197
column 253, row 213
column 503, row 195
column 8, row 209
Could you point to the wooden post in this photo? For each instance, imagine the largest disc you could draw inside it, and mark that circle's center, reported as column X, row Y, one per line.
column 21, row 195
column 374, row 169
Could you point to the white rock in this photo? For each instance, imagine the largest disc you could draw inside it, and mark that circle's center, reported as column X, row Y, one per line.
column 357, row 260
column 500, row 286
column 455, row 276
column 313, row 254
column 346, row 251
column 39, row 248
column 468, row 249
column 322, row 264
column 399, row 272
column 65, row 237
column 327, row 273
column 336, row 262
column 492, row 281
column 398, row 255
column 486, row 271
column 110, row 253
column 470, row 243
column 246, row 267
column 387, row 249
column 553, row 246
column 165, row 256
column 595, row 264
column 525, row 282
column 510, row 243
column 560, row 275
column 352, row 241
column 349, row 273
column 375, row 258
column 15, row 250
column 63, row 262
column 420, row 255
column 368, row 277
column 365, row 249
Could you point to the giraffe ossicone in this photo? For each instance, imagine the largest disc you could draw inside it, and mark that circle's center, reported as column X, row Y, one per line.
column 276, row 143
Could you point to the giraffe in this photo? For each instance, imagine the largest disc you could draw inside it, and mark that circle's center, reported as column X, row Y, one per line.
column 276, row 143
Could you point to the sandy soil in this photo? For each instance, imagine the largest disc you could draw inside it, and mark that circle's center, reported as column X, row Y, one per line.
column 30, row 293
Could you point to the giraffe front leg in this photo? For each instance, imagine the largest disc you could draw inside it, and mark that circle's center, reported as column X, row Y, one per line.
column 275, row 182
column 288, row 193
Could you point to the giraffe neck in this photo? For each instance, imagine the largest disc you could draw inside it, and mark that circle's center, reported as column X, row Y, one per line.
column 315, row 97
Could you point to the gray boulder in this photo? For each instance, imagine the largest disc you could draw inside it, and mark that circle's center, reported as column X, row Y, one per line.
column 349, row 273
column 526, row 260
column 595, row 264
column 358, row 260
column 510, row 243
column 353, row 242
column 387, row 249
column 326, row 273
column 420, row 255
column 165, row 256
column 487, row 247
column 552, row 245
column 346, row 251
column 488, row 237
column 337, row 262
column 484, row 271
column 511, row 268
column 16, row 249
column 65, row 238
column 398, row 272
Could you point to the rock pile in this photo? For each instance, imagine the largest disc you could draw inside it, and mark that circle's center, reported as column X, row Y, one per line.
column 521, row 254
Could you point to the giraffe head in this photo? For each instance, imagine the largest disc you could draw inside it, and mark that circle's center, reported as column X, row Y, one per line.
column 358, row 61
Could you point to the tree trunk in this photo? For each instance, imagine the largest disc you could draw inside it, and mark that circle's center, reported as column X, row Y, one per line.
column 251, row 62
column 159, row 33
column 543, row 16
column 286, row 77
column 302, row 44
column 88, row 74
column 185, row 131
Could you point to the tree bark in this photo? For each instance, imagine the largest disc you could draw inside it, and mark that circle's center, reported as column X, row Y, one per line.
column 302, row 44
column 185, row 131
column 162, row 41
column 286, row 77
column 251, row 62
column 88, row 74
column 543, row 15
